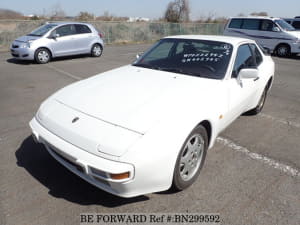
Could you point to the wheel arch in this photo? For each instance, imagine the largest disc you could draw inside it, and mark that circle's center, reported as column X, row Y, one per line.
column 51, row 54
column 99, row 43
column 270, row 82
column 208, row 127
column 282, row 43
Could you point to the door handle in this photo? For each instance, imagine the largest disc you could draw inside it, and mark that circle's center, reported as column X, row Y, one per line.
column 257, row 78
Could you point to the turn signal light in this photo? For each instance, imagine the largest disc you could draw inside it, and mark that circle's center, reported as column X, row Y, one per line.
column 120, row 176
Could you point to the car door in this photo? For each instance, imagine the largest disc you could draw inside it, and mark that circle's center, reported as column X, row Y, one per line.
column 63, row 42
column 83, row 39
column 270, row 34
column 241, row 91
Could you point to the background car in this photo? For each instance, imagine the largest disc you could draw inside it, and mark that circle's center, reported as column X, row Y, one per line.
column 274, row 33
column 58, row 39
column 146, row 127
column 295, row 22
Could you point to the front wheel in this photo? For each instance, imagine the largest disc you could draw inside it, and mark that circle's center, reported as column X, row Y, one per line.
column 42, row 56
column 283, row 50
column 96, row 50
column 190, row 159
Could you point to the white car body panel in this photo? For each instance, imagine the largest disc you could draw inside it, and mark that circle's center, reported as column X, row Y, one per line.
column 138, row 118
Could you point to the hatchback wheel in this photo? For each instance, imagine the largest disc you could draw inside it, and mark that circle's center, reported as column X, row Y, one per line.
column 96, row 50
column 42, row 56
column 190, row 159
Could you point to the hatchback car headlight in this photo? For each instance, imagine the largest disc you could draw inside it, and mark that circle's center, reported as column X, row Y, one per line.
column 25, row 45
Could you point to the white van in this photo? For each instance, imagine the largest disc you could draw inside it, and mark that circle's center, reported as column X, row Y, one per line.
column 273, row 33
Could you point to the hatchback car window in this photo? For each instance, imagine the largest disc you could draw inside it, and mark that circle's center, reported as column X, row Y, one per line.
column 200, row 58
column 251, row 24
column 42, row 30
column 236, row 23
column 82, row 29
column 244, row 59
column 65, row 30
column 257, row 55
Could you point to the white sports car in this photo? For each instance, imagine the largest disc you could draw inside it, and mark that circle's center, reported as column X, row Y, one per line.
column 146, row 127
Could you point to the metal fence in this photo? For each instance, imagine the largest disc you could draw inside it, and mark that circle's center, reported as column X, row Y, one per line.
column 116, row 32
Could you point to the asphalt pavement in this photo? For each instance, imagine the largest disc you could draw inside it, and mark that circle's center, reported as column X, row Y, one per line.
column 251, row 175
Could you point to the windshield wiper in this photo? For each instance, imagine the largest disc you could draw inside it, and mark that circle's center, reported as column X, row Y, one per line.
column 35, row 35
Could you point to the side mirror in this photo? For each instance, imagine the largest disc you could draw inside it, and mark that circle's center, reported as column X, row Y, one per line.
column 248, row 74
column 139, row 55
column 54, row 36
column 275, row 29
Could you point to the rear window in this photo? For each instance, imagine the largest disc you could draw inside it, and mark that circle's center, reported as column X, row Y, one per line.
column 82, row 29
column 236, row 23
column 251, row 24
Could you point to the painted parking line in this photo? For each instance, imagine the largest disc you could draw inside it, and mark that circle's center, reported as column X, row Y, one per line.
column 279, row 120
column 64, row 72
column 264, row 159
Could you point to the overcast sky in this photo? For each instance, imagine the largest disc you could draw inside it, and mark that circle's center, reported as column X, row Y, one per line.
column 156, row 8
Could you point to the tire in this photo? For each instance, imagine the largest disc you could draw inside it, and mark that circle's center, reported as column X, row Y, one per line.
column 283, row 50
column 190, row 159
column 260, row 104
column 42, row 56
column 96, row 50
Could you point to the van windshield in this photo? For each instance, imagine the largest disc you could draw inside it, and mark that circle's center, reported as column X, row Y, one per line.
column 284, row 25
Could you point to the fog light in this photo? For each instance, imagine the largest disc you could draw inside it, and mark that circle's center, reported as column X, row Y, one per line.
column 120, row 176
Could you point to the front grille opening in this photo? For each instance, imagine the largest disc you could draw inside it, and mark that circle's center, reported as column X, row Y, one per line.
column 78, row 167
column 101, row 181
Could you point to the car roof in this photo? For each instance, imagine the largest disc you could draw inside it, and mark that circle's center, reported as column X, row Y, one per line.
column 220, row 38
column 66, row 23
column 255, row 17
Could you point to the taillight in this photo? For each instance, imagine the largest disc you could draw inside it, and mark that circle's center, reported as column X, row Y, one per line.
column 100, row 35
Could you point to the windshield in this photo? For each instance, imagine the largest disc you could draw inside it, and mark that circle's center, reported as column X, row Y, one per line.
column 42, row 30
column 200, row 58
column 284, row 25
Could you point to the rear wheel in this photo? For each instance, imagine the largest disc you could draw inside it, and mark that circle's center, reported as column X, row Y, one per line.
column 42, row 56
column 260, row 104
column 190, row 159
column 283, row 50
column 96, row 50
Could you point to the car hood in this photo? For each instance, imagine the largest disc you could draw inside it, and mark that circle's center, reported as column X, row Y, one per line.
column 134, row 98
column 27, row 38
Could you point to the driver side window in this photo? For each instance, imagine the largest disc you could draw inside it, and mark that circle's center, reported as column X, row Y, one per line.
column 65, row 30
column 244, row 59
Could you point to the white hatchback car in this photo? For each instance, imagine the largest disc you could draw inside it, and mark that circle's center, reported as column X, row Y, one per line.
column 58, row 39
column 147, row 126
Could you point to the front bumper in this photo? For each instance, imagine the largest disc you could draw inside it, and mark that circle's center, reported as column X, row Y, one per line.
column 295, row 47
column 22, row 53
column 92, row 168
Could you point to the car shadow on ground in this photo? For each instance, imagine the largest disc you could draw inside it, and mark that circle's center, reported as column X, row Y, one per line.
column 65, row 58
column 61, row 182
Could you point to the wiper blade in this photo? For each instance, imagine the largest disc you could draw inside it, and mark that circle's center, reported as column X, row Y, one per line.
column 35, row 35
